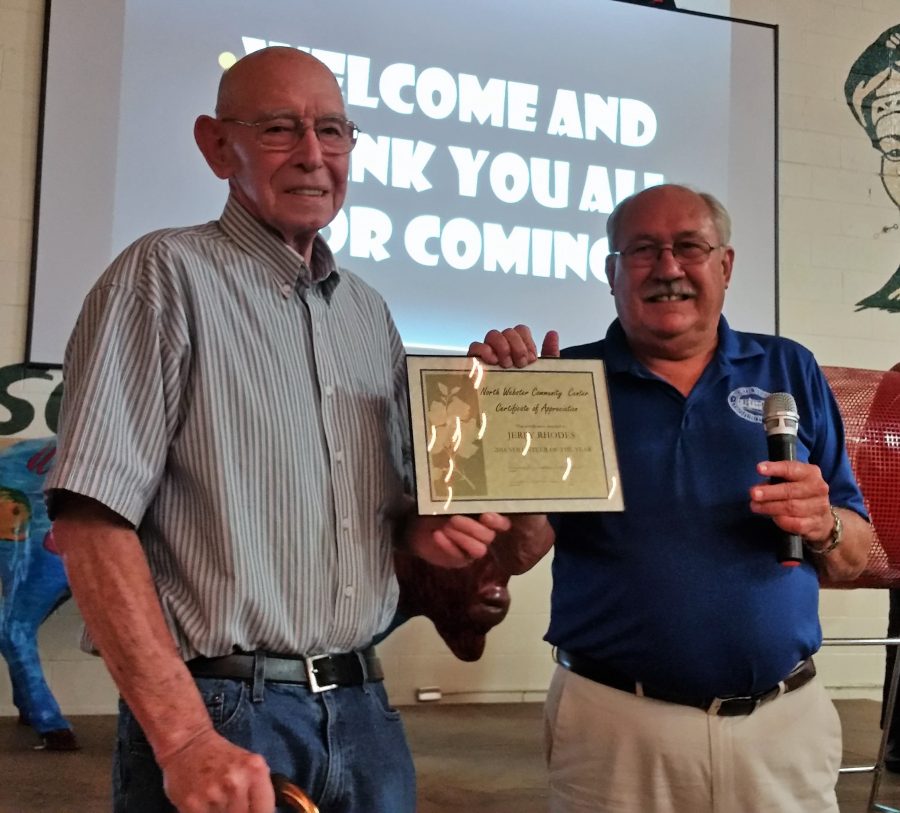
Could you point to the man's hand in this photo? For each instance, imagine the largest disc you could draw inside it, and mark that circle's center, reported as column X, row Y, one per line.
column 514, row 347
column 456, row 540
column 212, row 775
column 525, row 544
column 800, row 505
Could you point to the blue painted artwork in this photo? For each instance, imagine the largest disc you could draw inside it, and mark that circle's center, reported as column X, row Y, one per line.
column 32, row 585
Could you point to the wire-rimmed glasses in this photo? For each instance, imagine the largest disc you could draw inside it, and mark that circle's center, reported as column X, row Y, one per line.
column 645, row 253
column 336, row 135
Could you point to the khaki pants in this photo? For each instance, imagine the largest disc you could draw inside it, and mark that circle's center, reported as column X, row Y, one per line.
column 612, row 752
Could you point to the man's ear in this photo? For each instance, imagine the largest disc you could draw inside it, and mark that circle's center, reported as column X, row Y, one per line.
column 610, row 270
column 727, row 264
column 209, row 134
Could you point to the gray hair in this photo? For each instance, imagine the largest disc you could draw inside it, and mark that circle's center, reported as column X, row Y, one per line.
column 720, row 217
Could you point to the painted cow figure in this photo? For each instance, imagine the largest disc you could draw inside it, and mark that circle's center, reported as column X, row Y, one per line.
column 33, row 585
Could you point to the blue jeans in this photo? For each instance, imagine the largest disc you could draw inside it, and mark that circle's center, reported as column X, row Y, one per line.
column 345, row 747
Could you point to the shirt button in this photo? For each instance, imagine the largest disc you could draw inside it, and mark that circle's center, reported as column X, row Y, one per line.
column 349, row 591
column 339, row 456
column 345, row 524
column 329, row 390
column 286, row 290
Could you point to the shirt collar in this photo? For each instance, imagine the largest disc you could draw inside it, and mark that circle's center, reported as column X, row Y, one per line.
column 733, row 346
column 286, row 265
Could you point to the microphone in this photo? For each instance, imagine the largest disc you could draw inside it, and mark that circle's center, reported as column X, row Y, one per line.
column 781, row 421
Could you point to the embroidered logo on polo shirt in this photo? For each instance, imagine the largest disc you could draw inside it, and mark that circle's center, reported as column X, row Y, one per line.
column 747, row 402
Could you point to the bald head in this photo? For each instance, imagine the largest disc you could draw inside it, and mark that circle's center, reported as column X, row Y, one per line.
column 268, row 67
column 719, row 214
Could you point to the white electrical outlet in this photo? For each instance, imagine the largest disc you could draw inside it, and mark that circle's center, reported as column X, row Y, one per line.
column 428, row 694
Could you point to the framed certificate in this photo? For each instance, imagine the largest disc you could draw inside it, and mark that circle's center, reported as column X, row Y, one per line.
column 532, row 440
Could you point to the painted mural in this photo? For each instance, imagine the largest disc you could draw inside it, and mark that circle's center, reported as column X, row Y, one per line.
column 872, row 90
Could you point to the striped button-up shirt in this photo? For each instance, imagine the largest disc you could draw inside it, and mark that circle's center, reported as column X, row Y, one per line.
column 248, row 415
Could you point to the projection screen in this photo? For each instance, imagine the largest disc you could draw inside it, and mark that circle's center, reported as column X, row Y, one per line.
column 496, row 137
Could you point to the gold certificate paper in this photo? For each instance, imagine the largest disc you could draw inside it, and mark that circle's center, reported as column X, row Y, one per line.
column 535, row 440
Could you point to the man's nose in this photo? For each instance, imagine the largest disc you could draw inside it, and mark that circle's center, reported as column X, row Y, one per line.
column 667, row 265
column 308, row 151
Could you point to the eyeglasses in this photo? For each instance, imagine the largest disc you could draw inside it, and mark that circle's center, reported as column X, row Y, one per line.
column 685, row 252
column 336, row 135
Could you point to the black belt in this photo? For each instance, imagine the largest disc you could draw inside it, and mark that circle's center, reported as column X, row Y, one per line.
column 319, row 672
column 722, row 706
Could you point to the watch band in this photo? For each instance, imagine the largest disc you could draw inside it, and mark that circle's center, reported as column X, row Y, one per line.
column 837, row 534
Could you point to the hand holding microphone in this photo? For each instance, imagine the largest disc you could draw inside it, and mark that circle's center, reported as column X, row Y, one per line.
column 781, row 421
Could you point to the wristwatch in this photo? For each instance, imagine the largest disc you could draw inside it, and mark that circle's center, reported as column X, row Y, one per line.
column 837, row 534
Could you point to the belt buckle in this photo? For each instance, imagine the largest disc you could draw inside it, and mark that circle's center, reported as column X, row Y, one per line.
column 314, row 686
column 719, row 707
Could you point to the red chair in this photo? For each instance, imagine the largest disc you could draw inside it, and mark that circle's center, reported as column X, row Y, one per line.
column 869, row 401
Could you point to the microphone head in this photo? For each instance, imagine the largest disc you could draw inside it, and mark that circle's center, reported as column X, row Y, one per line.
column 780, row 416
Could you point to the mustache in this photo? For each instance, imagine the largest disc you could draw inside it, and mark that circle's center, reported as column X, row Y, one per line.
column 669, row 289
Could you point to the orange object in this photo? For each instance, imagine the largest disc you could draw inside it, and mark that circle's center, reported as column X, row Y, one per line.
column 287, row 793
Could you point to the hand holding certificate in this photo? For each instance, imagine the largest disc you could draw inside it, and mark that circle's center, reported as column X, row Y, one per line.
column 535, row 439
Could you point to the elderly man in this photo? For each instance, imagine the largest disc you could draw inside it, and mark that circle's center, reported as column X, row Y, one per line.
column 685, row 681
column 229, row 481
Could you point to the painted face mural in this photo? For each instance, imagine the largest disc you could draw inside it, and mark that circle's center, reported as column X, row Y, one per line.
column 872, row 90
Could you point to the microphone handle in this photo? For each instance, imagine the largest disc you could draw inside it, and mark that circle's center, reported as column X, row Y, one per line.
column 790, row 546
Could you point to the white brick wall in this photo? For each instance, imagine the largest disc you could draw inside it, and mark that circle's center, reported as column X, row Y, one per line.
column 833, row 252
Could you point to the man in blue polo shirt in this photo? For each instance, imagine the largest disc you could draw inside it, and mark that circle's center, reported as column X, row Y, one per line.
column 685, row 681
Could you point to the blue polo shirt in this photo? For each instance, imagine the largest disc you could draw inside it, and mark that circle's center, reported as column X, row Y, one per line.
column 683, row 590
